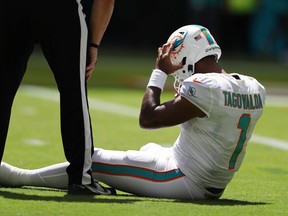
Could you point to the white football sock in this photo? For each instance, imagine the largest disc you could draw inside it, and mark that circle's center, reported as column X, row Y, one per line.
column 14, row 177
column 54, row 176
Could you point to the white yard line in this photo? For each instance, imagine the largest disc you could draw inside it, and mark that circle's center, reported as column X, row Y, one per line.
column 277, row 101
column 105, row 106
column 269, row 141
column 53, row 95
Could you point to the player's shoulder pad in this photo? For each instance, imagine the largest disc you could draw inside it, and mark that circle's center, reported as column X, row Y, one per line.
column 199, row 86
column 203, row 80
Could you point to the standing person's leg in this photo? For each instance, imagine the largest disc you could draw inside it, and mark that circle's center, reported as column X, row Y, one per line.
column 16, row 45
column 63, row 38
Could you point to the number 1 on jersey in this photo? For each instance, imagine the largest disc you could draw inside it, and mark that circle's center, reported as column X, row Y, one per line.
column 243, row 125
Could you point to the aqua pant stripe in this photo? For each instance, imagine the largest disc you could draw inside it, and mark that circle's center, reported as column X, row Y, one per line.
column 136, row 172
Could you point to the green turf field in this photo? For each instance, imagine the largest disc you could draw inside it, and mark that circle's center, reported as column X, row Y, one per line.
column 259, row 188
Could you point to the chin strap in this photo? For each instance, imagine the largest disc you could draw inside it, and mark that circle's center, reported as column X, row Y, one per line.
column 177, row 84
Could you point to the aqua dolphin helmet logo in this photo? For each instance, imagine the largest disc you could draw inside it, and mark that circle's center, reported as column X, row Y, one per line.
column 178, row 41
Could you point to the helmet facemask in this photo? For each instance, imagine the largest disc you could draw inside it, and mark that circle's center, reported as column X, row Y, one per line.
column 182, row 74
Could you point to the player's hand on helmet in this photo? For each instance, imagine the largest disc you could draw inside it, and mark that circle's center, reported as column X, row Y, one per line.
column 164, row 62
column 93, row 53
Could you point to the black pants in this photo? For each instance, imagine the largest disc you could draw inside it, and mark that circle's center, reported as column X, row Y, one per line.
column 60, row 29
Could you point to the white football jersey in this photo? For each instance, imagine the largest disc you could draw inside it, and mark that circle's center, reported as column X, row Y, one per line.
column 210, row 150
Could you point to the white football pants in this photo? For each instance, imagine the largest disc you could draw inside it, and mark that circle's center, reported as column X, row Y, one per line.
column 150, row 172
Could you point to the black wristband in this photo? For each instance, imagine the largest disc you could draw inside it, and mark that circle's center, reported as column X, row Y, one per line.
column 94, row 45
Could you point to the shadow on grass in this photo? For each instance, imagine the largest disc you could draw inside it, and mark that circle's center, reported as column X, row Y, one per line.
column 119, row 198
column 65, row 198
column 220, row 202
column 224, row 202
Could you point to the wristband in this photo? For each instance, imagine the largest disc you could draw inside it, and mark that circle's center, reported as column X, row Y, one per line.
column 94, row 45
column 157, row 79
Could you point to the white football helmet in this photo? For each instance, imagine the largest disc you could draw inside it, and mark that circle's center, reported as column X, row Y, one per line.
column 191, row 44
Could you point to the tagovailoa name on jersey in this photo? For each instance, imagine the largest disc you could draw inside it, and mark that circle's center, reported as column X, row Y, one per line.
column 242, row 101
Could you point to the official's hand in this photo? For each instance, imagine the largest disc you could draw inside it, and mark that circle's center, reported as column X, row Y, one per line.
column 164, row 62
column 93, row 53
